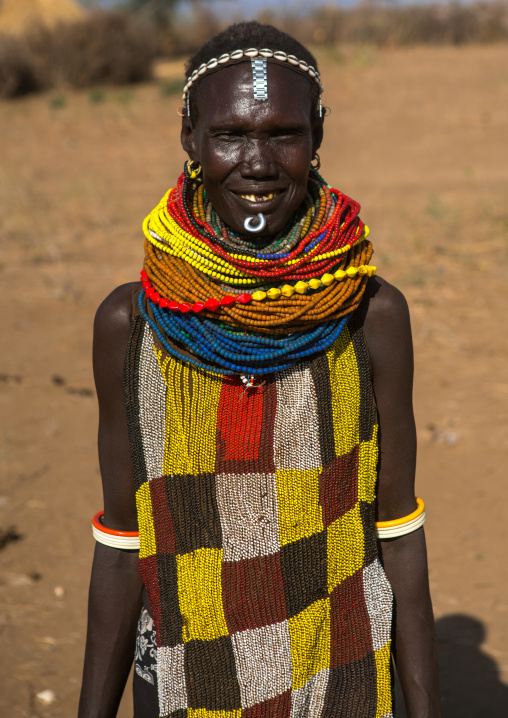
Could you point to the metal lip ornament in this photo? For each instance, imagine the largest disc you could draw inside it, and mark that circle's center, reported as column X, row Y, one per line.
column 259, row 227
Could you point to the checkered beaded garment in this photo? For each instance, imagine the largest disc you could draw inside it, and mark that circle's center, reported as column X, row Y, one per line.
column 258, row 548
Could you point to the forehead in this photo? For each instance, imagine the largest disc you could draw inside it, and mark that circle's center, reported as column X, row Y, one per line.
column 227, row 97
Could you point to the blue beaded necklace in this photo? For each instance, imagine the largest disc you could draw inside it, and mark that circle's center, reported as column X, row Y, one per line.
column 219, row 350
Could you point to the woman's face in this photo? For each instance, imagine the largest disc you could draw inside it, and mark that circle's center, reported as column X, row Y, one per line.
column 255, row 155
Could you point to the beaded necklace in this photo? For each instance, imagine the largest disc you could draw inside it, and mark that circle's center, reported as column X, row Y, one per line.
column 240, row 310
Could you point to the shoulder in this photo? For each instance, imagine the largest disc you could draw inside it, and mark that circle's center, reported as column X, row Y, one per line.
column 383, row 303
column 115, row 312
column 386, row 324
column 112, row 326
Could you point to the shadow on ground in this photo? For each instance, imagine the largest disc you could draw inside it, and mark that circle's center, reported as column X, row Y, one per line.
column 470, row 683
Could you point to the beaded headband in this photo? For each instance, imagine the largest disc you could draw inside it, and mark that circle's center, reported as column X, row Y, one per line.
column 259, row 70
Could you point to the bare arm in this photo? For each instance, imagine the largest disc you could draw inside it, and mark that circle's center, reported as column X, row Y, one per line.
column 388, row 337
column 115, row 588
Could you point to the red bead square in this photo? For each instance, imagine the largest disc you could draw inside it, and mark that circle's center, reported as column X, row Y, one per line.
column 245, row 424
column 278, row 707
column 163, row 523
column 351, row 637
column 149, row 574
column 255, row 592
column 338, row 486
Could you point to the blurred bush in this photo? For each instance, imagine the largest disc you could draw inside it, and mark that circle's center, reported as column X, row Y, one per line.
column 119, row 47
column 17, row 68
column 394, row 25
column 104, row 48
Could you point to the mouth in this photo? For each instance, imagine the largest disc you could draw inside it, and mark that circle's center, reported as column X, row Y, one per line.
column 258, row 198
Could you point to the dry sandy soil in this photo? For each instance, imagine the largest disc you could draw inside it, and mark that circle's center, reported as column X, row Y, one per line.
column 420, row 137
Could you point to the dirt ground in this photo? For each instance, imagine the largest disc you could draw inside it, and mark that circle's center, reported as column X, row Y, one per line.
column 420, row 138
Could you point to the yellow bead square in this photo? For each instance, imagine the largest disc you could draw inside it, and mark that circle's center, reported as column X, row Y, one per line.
column 200, row 594
column 310, row 641
column 367, row 468
column 384, row 692
column 300, row 513
column 345, row 547
column 191, row 420
column 145, row 521
column 345, row 386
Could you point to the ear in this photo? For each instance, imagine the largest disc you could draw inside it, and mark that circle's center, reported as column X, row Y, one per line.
column 317, row 133
column 188, row 139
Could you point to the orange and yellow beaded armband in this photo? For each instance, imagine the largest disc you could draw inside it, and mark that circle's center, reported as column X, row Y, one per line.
column 128, row 540
column 405, row 525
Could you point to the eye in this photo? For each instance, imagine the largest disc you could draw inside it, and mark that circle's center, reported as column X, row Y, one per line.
column 289, row 133
column 227, row 135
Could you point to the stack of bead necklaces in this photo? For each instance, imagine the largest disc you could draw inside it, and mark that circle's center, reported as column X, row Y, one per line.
column 238, row 310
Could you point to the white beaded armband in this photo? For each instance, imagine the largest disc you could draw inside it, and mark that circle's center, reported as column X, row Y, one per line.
column 128, row 540
column 405, row 525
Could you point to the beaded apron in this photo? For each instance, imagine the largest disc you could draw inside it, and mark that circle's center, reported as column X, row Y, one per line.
column 258, row 548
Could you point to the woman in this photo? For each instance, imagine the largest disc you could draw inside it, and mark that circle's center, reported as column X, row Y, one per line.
column 256, row 426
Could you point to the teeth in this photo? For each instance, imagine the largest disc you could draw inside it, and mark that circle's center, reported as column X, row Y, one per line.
column 259, row 198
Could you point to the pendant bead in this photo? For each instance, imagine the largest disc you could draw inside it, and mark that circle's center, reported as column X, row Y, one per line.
column 301, row 287
column 315, row 283
column 244, row 298
column 212, row 304
column 273, row 293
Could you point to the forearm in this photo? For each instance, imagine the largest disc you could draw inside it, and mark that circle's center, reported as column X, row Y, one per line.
column 113, row 610
column 414, row 645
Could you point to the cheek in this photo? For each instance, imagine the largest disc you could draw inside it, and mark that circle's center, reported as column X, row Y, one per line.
column 295, row 160
column 220, row 160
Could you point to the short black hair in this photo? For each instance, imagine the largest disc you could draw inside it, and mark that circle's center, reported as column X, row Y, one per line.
column 243, row 35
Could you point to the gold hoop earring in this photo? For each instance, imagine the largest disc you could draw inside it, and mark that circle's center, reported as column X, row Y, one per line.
column 317, row 162
column 193, row 169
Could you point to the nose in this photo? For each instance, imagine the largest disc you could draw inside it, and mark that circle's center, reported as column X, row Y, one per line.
column 258, row 161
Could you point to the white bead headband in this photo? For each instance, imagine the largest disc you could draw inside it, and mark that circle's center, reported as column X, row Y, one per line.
column 218, row 62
